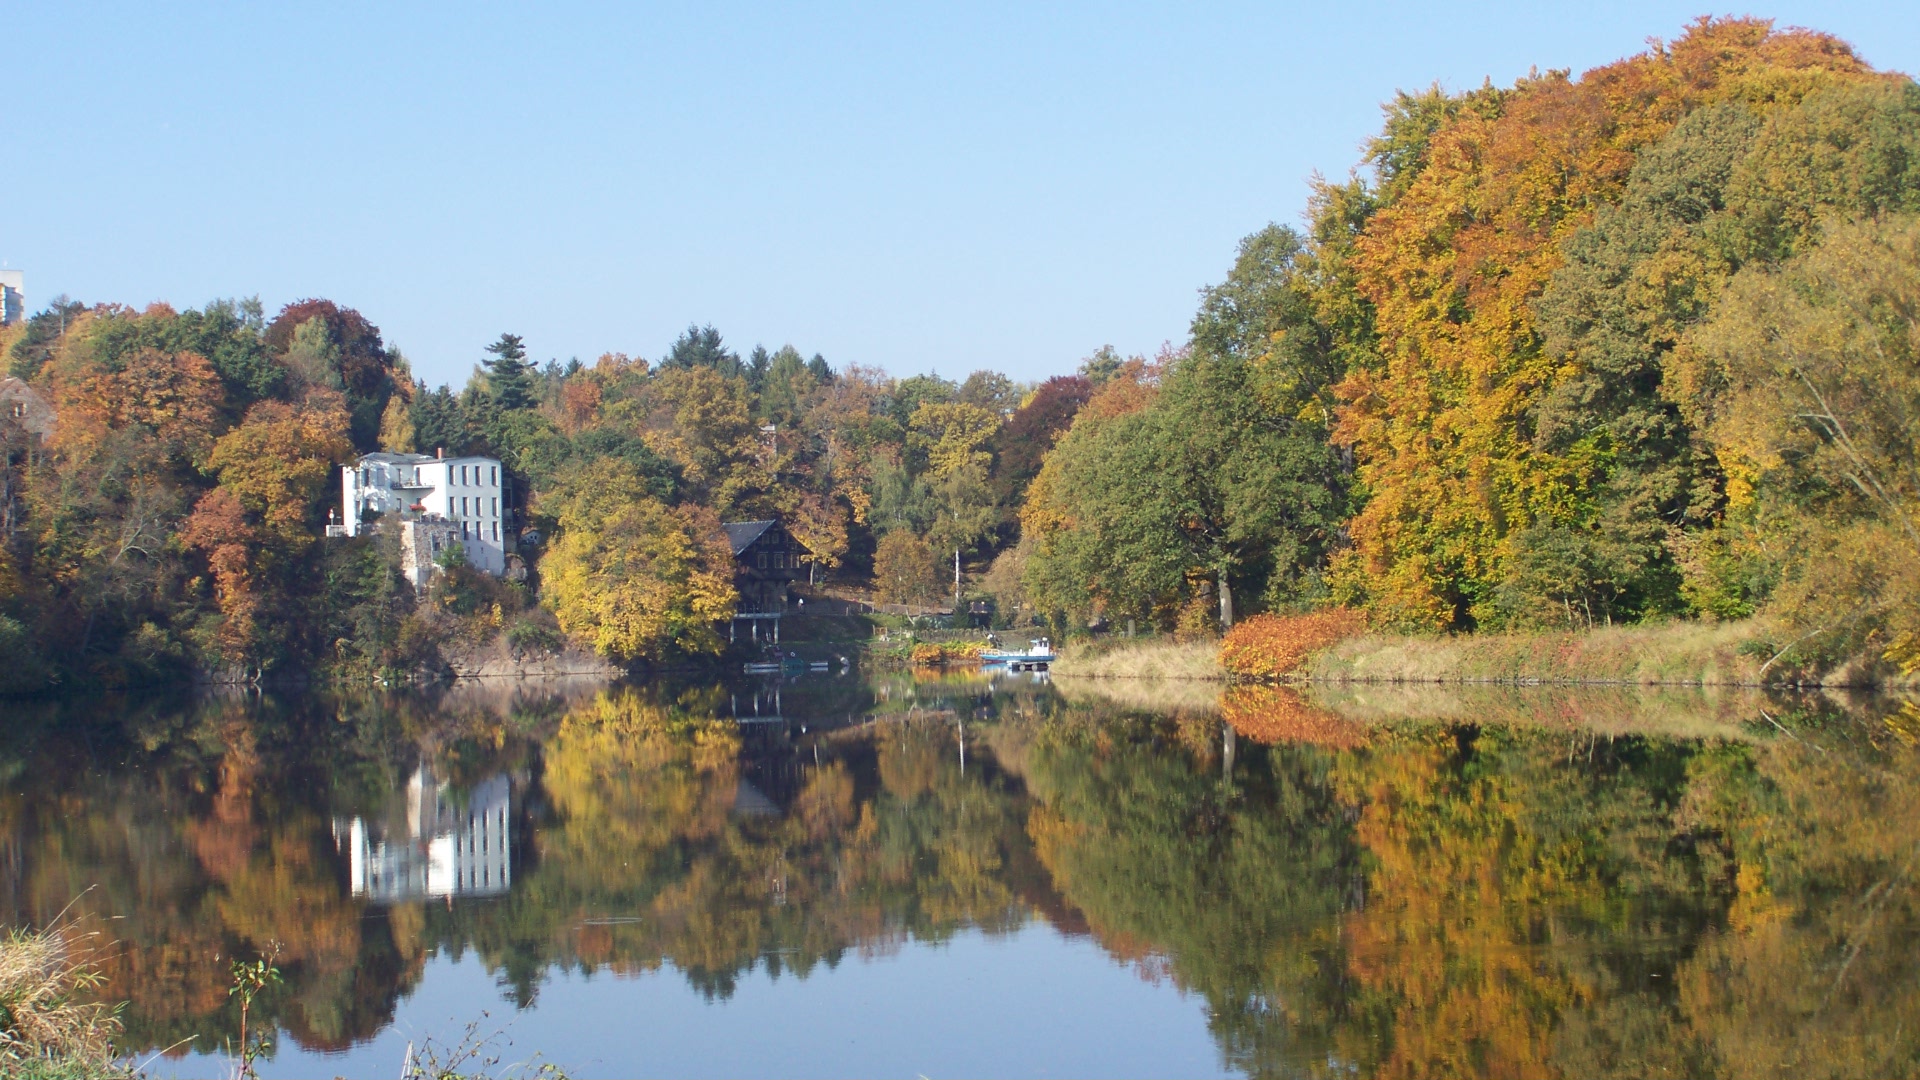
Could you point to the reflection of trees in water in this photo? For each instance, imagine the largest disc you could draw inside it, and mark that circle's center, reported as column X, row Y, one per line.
column 1497, row 901
column 655, row 853
column 207, row 852
column 1231, row 888
column 1529, row 902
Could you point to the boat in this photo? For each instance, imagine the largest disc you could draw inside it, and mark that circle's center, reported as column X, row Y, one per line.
column 1035, row 657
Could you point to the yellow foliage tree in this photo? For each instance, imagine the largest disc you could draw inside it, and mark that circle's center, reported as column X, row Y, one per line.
column 905, row 569
column 630, row 575
column 953, row 435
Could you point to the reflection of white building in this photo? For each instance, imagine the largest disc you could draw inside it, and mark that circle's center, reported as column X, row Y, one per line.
column 464, row 492
column 444, row 847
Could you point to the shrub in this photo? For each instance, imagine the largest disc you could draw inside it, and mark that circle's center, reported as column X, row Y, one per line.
column 930, row 654
column 1269, row 646
column 528, row 637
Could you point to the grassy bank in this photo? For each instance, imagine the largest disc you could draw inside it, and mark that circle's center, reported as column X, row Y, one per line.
column 1672, row 654
column 1693, row 654
column 1125, row 658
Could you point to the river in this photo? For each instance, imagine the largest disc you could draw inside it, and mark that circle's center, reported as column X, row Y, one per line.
column 899, row 875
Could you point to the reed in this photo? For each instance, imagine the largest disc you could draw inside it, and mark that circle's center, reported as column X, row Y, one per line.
column 49, row 1025
column 1136, row 659
column 1674, row 654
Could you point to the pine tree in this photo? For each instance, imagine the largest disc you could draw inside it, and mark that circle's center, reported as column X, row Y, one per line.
column 509, row 379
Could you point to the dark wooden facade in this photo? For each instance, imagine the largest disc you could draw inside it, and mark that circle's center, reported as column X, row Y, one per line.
column 767, row 560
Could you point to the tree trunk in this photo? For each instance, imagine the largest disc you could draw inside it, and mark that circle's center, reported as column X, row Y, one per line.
column 1226, row 603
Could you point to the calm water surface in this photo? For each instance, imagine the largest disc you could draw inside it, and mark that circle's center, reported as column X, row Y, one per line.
column 891, row 876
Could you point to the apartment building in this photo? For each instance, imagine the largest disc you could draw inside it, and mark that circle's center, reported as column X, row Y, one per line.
column 463, row 492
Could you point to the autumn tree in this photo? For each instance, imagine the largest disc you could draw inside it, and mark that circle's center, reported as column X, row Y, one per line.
column 1814, row 414
column 1484, row 194
column 353, row 349
column 906, row 570
column 1030, row 432
column 629, row 575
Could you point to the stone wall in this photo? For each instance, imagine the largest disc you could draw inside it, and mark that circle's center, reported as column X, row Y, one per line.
column 420, row 541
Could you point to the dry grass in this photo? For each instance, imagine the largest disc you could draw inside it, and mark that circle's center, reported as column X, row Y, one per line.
column 1696, row 654
column 48, row 1027
column 1150, row 659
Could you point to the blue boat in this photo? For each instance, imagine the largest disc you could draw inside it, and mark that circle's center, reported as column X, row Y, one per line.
column 1036, row 656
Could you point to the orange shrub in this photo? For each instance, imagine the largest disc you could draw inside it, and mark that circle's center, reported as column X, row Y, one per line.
column 930, row 654
column 1269, row 646
column 1273, row 714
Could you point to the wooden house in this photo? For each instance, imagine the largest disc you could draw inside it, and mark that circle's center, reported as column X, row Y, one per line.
column 767, row 560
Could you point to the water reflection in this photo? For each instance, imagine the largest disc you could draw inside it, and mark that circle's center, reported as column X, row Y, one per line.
column 444, row 845
column 1528, row 886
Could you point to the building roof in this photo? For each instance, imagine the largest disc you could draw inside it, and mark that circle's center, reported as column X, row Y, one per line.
column 743, row 533
column 384, row 457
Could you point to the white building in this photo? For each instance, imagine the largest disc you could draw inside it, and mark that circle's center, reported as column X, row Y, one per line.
column 465, row 492
column 13, row 297
column 441, row 847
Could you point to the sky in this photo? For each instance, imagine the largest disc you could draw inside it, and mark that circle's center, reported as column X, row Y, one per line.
column 917, row 188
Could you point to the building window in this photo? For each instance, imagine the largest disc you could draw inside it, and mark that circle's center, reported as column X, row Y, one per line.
column 763, row 560
column 496, row 530
column 493, row 471
column 496, row 507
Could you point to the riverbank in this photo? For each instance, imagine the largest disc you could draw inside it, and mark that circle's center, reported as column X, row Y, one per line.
column 1734, row 654
column 1155, row 658
column 1675, row 654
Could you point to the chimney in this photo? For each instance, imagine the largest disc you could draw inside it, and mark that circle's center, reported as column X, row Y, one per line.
column 440, row 452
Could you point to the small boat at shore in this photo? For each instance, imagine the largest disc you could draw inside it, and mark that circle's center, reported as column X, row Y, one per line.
column 1035, row 657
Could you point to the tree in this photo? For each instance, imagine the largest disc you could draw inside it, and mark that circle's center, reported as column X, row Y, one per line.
column 1815, row 416
column 359, row 360
column 631, row 576
column 905, row 569
column 952, row 435
column 440, row 421
column 702, row 347
column 174, row 398
column 509, row 379
column 785, row 389
column 1443, row 424
column 965, row 512
column 702, row 421
column 1020, row 445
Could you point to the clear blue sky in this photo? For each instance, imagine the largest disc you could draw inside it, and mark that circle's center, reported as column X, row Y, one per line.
column 940, row 188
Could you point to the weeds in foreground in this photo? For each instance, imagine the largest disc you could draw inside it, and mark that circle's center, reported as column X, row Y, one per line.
column 249, row 979
column 48, row 1028
column 474, row 1057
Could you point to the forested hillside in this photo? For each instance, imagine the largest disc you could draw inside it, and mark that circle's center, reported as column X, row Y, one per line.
column 1635, row 344
column 1638, row 344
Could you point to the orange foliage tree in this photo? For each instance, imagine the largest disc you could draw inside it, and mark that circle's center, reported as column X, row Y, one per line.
column 1453, row 264
column 273, row 471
